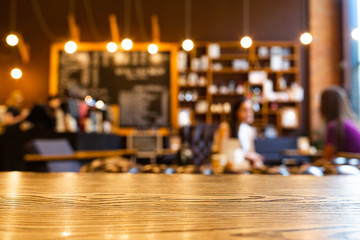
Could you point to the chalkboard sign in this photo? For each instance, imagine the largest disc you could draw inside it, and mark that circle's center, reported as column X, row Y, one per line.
column 137, row 81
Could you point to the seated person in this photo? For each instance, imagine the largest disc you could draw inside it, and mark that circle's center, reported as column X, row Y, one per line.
column 14, row 113
column 243, row 116
column 43, row 117
column 342, row 127
column 11, row 140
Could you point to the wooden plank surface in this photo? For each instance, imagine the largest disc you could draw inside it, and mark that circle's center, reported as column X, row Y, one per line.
column 157, row 206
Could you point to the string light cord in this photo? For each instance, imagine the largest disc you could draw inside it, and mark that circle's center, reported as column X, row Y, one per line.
column 127, row 17
column 72, row 7
column 187, row 18
column 13, row 15
column 140, row 17
column 91, row 20
column 246, row 21
column 42, row 22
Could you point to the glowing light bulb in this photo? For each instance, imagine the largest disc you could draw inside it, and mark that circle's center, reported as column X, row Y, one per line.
column 127, row 44
column 99, row 104
column 70, row 47
column 12, row 40
column 16, row 73
column 88, row 99
column 111, row 47
column 153, row 48
column 355, row 34
column 187, row 45
column 246, row 42
column 306, row 38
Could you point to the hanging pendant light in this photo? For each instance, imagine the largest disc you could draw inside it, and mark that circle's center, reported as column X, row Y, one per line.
column 127, row 43
column 16, row 73
column 246, row 41
column 111, row 47
column 188, row 44
column 153, row 48
column 70, row 47
column 12, row 40
column 305, row 37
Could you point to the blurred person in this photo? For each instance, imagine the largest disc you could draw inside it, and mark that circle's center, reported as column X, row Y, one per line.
column 244, row 116
column 11, row 141
column 342, row 126
column 43, row 116
column 239, row 127
column 15, row 114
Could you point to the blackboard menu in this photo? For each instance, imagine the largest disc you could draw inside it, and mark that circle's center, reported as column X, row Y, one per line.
column 137, row 81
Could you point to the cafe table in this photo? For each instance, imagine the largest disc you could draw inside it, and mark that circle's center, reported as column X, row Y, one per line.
column 177, row 206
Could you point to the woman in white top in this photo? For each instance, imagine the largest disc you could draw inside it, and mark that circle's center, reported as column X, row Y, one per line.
column 244, row 115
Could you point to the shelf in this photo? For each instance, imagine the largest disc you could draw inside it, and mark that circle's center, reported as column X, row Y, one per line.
column 187, row 71
column 229, row 70
column 273, row 112
column 260, row 112
column 227, row 95
column 289, row 57
column 283, row 102
column 200, row 98
column 244, row 56
column 286, row 57
column 258, row 124
column 188, row 86
column 269, row 70
column 269, row 112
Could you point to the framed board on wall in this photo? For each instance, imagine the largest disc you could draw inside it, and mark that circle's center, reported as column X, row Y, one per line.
column 142, row 85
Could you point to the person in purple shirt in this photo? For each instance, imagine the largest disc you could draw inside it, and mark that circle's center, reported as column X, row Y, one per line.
column 342, row 127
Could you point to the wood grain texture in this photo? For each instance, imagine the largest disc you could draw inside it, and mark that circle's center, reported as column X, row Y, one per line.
column 157, row 206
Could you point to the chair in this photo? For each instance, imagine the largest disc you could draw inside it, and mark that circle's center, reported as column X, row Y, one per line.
column 200, row 138
column 272, row 148
column 54, row 147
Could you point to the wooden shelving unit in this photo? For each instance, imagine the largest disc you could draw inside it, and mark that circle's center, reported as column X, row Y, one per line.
column 220, row 73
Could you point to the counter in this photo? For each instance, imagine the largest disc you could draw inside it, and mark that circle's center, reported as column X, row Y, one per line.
column 178, row 206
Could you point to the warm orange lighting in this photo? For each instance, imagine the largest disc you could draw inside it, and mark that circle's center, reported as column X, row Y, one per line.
column 70, row 47
column 153, row 48
column 111, row 47
column 99, row 104
column 127, row 44
column 246, row 42
column 12, row 40
column 16, row 73
column 306, row 38
column 188, row 45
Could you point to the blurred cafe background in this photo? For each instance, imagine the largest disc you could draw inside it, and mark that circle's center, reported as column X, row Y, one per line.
column 152, row 86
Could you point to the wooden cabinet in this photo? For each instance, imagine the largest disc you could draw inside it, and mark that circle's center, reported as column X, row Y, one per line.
column 214, row 75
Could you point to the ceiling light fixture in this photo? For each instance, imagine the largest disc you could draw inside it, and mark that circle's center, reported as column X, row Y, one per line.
column 12, row 40
column 188, row 44
column 246, row 41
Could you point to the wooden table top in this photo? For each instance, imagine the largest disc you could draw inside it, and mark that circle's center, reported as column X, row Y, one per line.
column 180, row 206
